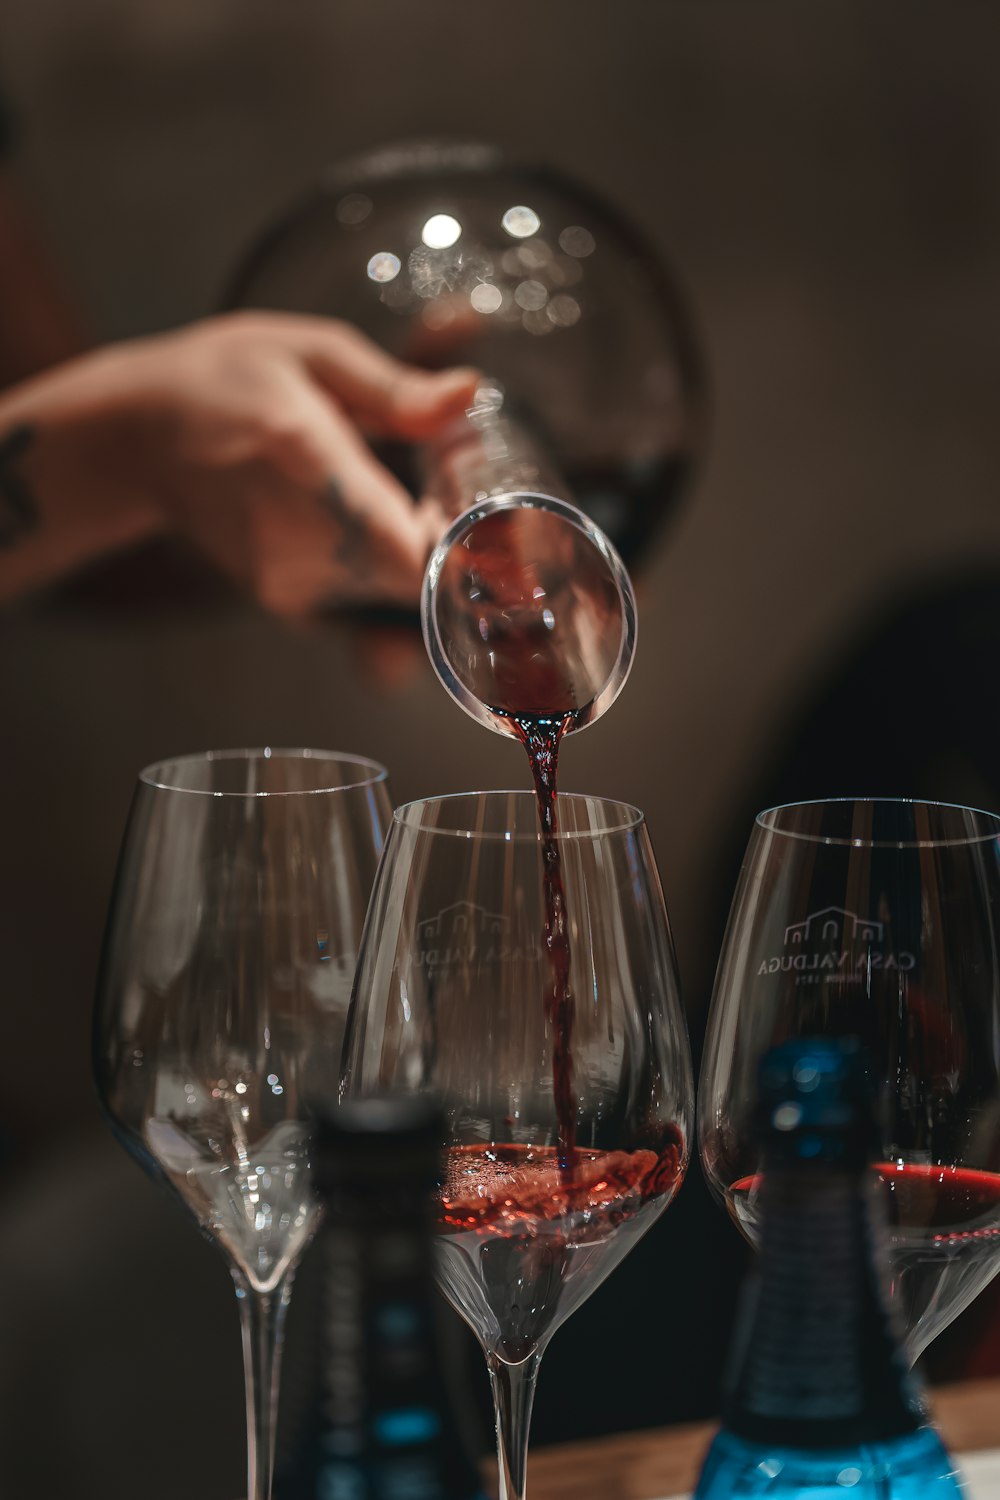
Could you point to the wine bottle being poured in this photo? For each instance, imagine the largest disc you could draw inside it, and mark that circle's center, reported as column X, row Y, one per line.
column 529, row 619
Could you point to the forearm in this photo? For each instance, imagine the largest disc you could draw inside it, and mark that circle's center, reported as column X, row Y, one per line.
column 69, row 442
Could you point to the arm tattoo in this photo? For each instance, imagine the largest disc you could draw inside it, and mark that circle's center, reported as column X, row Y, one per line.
column 18, row 510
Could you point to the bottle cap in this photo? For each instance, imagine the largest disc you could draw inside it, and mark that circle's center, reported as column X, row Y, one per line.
column 816, row 1104
column 378, row 1139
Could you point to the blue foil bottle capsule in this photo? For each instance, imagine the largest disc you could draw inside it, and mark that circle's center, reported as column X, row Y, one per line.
column 819, row 1402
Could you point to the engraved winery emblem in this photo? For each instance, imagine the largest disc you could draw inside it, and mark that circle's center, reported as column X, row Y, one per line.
column 466, row 934
column 836, row 944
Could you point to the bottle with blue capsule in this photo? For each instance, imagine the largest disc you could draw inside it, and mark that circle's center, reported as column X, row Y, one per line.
column 369, row 1407
column 820, row 1403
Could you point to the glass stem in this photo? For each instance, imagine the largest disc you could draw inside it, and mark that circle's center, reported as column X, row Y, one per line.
column 262, row 1320
column 513, row 1394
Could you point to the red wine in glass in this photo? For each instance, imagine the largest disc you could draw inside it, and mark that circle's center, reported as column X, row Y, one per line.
column 447, row 1000
column 522, row 1245
column 944, row 1236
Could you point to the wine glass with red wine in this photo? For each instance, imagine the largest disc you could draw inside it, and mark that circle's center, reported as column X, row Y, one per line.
column 225, row 980
column 879, row 919
column 537, row 997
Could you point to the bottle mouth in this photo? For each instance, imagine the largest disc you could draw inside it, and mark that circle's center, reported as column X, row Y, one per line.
column 527, row 610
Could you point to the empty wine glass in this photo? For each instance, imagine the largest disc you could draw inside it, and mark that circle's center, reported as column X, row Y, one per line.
column 881, row 919
column 226, row 974
column 568, row 1125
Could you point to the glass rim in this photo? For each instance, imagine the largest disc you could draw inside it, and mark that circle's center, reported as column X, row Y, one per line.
column 464, row 522
column 630, row 817
column 767, row 821
column 152, row 774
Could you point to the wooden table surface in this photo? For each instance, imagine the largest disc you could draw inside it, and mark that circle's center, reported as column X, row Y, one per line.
column 665, row 1461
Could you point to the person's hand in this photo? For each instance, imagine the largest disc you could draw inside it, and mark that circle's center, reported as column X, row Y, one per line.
column 247, row 432
column 255, row 428
column 267, row 465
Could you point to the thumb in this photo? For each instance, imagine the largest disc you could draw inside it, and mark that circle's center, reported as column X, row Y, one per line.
column 380, row 392
column 422, row 402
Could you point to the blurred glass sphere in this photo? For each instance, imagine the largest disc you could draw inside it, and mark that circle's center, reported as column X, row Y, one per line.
column 449, row 254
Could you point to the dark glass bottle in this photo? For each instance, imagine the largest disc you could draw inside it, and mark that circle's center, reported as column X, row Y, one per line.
column 367, row 1410
column 820, row 1402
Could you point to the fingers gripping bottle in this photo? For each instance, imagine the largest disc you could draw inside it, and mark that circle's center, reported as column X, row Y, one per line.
column 820, row 1403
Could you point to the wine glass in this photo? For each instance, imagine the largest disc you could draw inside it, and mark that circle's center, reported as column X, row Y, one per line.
column 555, row 1038
column 877, row 918
column 225, row 979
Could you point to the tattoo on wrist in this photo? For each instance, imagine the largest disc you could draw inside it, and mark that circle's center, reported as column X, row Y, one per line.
column 18, row 509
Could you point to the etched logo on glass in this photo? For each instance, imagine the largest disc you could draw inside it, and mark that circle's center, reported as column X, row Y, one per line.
column 835, row 944
column 832, row 924
column 467, row 934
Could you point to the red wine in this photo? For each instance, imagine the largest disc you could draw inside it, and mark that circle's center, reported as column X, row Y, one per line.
column 531, row 674
column 541, row 737
column 533, row 617
column 522, row 1243
column 944, row 1238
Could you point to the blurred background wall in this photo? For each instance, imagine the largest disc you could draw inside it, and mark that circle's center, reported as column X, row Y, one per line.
column 824, row 180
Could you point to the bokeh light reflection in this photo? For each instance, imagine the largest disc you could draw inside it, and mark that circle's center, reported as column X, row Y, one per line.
column 440, row 231
column 521, row 222
column 384, row 266
column 563, row 310
column 536, row 321
column 531, row 295
column 577, row 241
column 486, row 298
column 354, row 208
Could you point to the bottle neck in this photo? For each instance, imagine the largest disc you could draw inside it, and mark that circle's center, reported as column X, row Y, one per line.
column 369, row 1407
column 488, row 452
column 819, row 1363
